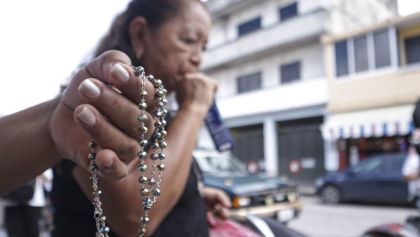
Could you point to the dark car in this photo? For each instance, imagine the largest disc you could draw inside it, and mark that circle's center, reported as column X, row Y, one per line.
column 250, row 194
column 377, row 179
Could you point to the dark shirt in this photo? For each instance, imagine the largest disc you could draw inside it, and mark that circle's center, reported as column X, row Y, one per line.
column 73, row 213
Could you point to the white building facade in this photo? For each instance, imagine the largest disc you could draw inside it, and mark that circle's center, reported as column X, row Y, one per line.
column 268, row 59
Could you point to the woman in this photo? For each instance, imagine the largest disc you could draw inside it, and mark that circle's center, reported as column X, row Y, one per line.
column 166, row 37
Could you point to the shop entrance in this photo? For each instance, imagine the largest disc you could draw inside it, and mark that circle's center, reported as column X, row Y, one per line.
column 301, row 150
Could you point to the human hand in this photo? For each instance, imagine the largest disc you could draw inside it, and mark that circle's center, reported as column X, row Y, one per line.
column 196, row 91
column 217, row 202
column 90, row 110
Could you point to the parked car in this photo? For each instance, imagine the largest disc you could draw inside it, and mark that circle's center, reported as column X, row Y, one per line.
column 376, row 179
column 254, row 194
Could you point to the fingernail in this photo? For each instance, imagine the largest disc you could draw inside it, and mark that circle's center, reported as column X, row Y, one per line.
column 120, row 73
column 107, row 162
column 87, row 116
column 89, row 89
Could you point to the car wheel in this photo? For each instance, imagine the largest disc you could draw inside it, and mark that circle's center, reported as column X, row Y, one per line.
column 330, row 195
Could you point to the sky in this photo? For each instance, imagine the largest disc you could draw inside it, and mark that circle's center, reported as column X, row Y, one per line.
column 43, row 41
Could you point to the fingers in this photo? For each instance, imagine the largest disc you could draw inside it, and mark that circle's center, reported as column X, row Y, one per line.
column 102, row 67
column 111, row 68
column 206, row 82
column 110, row 166
column 211, row 84
column 123, row 77
column 104, row 95
column 196, row 89
column 217, row 201
column 222, row 205
column 120, row 111
column 224, row 200
column 221, row 212
column 105, row 134
column 114, row 68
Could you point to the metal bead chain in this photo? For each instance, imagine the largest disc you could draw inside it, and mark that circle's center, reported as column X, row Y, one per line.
column 149, row 186
column 102, row 229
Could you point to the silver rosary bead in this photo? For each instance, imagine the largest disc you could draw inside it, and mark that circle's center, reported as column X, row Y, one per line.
column 142, row 118
column 143, row 168
column 149, row 186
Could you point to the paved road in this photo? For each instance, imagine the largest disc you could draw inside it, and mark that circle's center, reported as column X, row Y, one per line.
column 345, row 220
column 349, row 220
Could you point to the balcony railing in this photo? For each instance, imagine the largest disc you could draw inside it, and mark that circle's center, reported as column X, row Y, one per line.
column 303, row 28
column 295, row 95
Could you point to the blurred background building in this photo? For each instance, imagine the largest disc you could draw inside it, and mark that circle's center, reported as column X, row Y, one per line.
column 373, row 82
column 281, row 93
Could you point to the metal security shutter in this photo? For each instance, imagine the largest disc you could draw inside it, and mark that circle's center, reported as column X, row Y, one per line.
column 249, row 143
column 300, row 141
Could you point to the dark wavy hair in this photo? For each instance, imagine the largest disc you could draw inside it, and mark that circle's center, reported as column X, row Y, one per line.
column 155, row 12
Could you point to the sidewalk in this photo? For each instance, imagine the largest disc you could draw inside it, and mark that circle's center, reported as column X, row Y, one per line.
column 307, row 190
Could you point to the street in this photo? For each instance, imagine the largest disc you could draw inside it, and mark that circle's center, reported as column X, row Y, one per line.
column 345, row 220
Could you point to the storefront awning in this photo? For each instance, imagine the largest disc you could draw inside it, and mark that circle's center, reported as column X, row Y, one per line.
column 390, row 121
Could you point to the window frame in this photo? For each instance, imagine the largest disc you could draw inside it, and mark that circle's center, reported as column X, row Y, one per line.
column 346, row 58
column 290, row 64
column 351, row 64
column 407, row 61
column 357, row 53
column 374, row 34
column 286, row 17
column 248, row 23
column 402, row 35
column 246, row 77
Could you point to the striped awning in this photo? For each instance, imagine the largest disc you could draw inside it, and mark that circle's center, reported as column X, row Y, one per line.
column 382, row 122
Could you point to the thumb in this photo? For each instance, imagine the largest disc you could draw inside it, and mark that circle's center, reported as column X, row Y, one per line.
column 224, row 199
column 110, row 166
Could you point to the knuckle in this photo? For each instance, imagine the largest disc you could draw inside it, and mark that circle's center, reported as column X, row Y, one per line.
column 132, row 148
column 110, row 56
column 111, row 102
column 114, row 174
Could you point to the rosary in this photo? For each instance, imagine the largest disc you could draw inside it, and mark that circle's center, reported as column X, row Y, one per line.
column 149, row 186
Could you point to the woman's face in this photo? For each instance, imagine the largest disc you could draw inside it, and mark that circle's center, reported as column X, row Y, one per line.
column 176, row 47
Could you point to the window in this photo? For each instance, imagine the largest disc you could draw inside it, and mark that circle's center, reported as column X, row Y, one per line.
column 367, row 52
column 341, row 59
column 412, row 49
column 369, row 166
column 249, row 82
column 361, row 54
column 288, row 12
column 395, row 162
column 290, row 72
column 249, row 26
column 382, row 50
